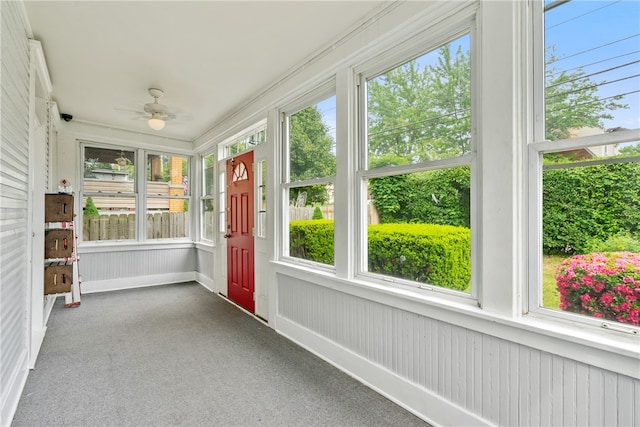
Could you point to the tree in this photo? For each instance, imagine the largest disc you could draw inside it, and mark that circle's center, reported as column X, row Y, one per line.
column 317, row 213
column 311, row 155
column 90, row 208
column 630, row 150
column 422, row 113
column 572, row 101
column 418, row 114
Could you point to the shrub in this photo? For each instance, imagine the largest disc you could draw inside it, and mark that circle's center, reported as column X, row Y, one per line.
column 317, row 213
column 439, row 255
column 432, row 197
column 579, row 203
column 589, row 202
column 620, row 242
column 602, row 285
column 312, row 240
column 90, row 208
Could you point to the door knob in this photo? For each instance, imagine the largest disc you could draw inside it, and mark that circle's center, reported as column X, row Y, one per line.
column 226, row 236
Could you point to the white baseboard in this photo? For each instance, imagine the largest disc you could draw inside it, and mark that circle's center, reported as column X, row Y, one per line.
column 49, row 301
column 205, row 281
column 11, row 398
column 37, row 338
column 136, row 282
column 414, row 398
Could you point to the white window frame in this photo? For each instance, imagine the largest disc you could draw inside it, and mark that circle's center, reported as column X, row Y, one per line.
column 136, row 194
column 140, row 194
column 319, row 94
column 537, row 147
column 204, row 197
column 188, row 197
column 260, row 193
column 368, row 71
column 256, row 132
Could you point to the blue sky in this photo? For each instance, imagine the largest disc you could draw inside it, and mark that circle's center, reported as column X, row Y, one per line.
column 600, row 37
column 603, row 38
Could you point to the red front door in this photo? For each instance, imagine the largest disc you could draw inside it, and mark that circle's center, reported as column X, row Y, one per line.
column 240, row 280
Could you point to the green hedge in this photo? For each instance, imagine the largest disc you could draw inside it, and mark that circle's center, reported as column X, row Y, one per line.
column 312, row 240
column 432, row 197
column 428, row 253
column 579, row 204
column 586, row 203
column 439, row 255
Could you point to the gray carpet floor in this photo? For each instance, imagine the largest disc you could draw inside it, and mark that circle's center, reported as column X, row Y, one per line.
column 180, row 355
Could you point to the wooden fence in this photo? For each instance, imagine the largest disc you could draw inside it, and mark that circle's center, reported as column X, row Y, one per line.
column 160, row 225
column 306, row 212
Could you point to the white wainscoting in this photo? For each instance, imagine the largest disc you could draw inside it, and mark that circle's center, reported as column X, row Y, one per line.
column 204, row 266
column 447, row 374
column 114, row 270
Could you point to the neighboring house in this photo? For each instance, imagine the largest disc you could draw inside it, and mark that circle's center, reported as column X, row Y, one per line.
column 587, row 153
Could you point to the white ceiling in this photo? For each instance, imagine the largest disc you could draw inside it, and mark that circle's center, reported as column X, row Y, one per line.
column 209, row 57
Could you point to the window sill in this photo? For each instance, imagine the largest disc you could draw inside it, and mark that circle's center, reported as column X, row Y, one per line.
column 611, row 350
column 120, row 246
column 205, row 246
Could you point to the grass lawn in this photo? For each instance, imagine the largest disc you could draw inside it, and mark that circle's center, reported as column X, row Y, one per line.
column 550, row 295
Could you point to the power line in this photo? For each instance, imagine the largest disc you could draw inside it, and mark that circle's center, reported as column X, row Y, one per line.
column 593, row 102
column 586, row 76
column 594, row 63
column 595, row 48
column 430, row 119
column 580, row 16
column 569, row 92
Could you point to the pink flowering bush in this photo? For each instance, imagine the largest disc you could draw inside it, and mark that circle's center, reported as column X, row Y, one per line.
column 603, row 285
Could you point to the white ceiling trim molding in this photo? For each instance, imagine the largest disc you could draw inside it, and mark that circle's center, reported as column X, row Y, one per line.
column 82, row 131
column 42, row 72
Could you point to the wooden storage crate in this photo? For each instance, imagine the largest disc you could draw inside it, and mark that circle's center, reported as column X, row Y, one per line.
column 58, row 208
column 58, row 277
column 58, row 243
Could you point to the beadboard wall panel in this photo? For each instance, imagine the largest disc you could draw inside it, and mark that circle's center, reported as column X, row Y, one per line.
column 133, row 268
column 204, row 267
column 14, row 201
column 500, row 381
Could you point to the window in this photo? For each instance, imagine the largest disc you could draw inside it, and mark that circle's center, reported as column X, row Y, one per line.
column 222, row 200
column 417, row 171
column 207, row 199
column 109, row 194
column 586, row 181
column 112, row 195
column 167, row 196
column 309, row 184
column 246, row 142
column 261, row 183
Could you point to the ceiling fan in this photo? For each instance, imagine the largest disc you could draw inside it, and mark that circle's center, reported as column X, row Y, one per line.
column 159, row 112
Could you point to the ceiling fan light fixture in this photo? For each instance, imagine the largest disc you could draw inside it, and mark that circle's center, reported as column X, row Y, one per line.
column 155, row 122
